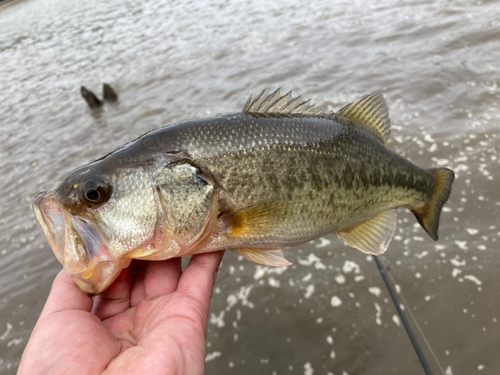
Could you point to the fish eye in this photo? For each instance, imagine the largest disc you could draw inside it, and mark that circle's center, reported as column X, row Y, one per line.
column 92, row 195
column 95, row 191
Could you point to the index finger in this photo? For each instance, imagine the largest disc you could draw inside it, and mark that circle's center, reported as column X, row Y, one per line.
column 115, row 299
column 199, row 277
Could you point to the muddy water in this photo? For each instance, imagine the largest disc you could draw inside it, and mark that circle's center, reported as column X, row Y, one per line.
column 437, row 63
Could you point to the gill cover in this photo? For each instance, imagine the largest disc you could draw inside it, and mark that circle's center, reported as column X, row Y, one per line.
column 189, row 201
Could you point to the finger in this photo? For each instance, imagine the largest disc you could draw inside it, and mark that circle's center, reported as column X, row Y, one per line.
column 162, row 277
column 115, row 299
column 65, row 295
column 198, row 278
column 139, row 268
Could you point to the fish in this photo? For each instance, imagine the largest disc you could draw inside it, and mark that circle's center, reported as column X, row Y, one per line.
column 278, row 174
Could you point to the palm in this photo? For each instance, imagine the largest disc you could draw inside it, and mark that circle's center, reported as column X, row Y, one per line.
column 152, row 320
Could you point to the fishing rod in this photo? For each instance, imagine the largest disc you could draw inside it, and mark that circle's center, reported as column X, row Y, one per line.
column 409, row 331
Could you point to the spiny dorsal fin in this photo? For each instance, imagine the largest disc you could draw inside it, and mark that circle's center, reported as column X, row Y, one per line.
column 371, row 112
column 275, row 104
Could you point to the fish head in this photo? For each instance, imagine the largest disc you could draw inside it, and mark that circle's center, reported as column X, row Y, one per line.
column 96, row 218
column 102, row 216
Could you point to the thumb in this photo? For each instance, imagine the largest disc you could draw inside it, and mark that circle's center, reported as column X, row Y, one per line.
column 66, row 295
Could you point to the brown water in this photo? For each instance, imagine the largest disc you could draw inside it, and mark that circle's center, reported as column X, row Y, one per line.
column 438, row 65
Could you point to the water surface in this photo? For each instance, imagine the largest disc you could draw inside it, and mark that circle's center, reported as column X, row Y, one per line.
column 437, row 64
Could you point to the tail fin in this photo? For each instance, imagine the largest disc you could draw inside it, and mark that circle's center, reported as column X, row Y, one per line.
column 429, row 217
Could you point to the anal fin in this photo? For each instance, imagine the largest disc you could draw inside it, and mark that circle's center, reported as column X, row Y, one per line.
column 372, row 236
column 262, row 256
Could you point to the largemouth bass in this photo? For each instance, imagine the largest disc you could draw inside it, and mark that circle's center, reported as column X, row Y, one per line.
column 277, row 174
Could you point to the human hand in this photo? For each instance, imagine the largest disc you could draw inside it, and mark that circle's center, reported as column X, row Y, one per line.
column 151, row 320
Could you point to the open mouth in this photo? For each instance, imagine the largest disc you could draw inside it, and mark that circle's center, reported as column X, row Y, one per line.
column 76, row 243
column 51, row 217
column 67, row 240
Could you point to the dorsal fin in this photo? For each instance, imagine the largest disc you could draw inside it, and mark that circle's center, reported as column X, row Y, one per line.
column 275, row 104
column 371, row 112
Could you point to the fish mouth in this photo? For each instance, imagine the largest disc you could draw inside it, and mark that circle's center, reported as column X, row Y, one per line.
column 77, row 244
column 51, row 217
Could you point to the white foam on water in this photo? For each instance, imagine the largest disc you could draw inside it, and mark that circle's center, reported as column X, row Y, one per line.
column 312, row 259
column 324, row 242
column 375, row 291
column 422, row 254
column 261, row 271
column 340, row 279
column 350, row 266
column 474, row 279
column 212, row 356
column 243, row 294
column 396, row 320
column 458, row 263
column 6, row 333
column 231, row 301
column 308, row 370
column 336, row 301
column 309, row 291
column 428, row 138
column 307, row 277
column 273, row 282
column 218, row 320
column 378, row 314
column 14, row 342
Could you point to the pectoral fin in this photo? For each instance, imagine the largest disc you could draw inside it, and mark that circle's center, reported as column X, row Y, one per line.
column 267, row 257
column 372, row 236
column 257, row 220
